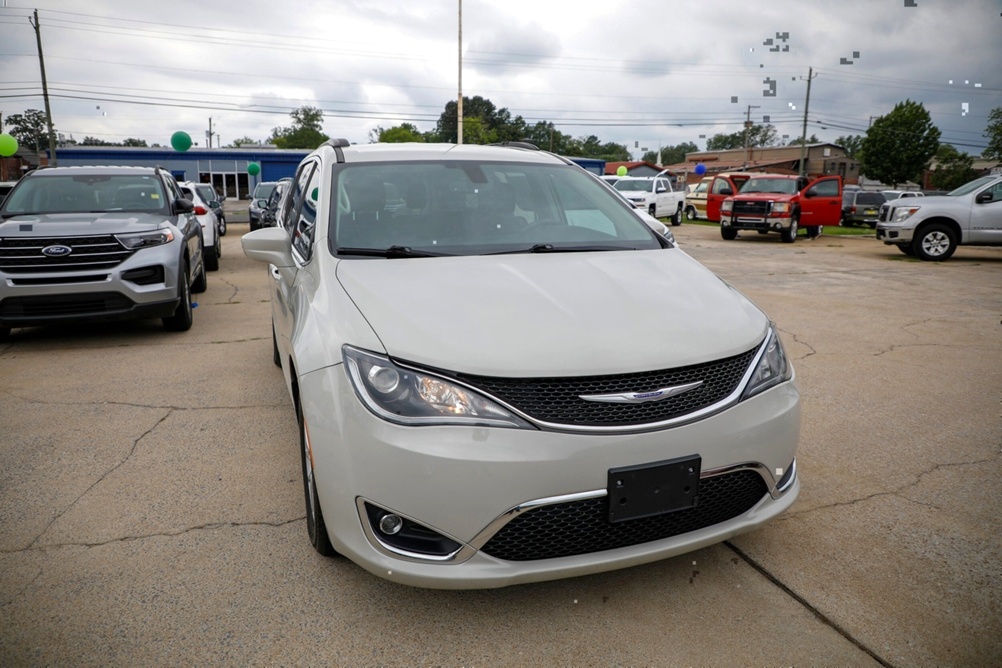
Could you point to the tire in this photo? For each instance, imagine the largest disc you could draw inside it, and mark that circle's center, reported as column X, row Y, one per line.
column 201, row 283
column 222, row 226
column 653, row 210
column 934, row 243
column 182, row 318
column 275, row 357
column 254, row 225
column 212, row 257
column 4, row 333
column 789, row 235
column 690, row 213
column 906, row 249
column 728, row 233
column 676, row 219
column 315, row 526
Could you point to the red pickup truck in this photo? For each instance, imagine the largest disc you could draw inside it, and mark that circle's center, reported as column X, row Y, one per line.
column 780, row 203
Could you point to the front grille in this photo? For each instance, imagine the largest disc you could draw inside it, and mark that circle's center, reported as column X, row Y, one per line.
column 558, row 400
column 19, row 255
column 750, row 208
column 885, row 210
column 54, row 306
column 583, row 527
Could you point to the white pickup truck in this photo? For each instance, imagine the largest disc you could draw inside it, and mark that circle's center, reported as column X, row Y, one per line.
column 654, row 195
column 931, row 228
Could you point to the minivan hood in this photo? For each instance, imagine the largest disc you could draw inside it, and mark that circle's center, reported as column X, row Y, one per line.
column 70, row 224
column 552, row 314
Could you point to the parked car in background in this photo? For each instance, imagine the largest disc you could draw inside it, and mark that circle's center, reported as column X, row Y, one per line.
column 895, row 194
column 258, row 199
column 861, row 207
column 695, row 199
column 445, row 446
column 931, row 228
column 654, row 195
column 98, row 243
column 269, row 211
column 215, row 202
column 781, row 203
column 207, row 221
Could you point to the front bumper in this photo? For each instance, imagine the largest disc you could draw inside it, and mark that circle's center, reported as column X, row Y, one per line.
column 767, row 223
column 144, row 285
column 895, row 233
column 467, row 483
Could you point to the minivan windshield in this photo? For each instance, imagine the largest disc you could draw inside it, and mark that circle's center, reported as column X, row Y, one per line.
column 94, row 193
column 465, row 207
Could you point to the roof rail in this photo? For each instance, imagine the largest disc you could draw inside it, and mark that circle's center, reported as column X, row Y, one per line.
column 517, row 144
column 337, row 145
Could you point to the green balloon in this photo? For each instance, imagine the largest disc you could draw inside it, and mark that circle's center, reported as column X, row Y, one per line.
column 253, row 169
column 8, row 145
column 181, row 141
column 621, row 170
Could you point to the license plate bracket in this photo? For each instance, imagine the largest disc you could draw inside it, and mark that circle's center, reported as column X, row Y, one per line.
column 646, row 490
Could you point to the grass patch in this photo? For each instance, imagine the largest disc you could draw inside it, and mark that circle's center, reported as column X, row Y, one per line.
column 829, row 230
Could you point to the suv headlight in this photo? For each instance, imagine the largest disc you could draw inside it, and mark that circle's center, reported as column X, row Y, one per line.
column 780, row 207
column 772, row 368
column 727, row 205
column 410, row 397
column 145, row 239
column 903, row 213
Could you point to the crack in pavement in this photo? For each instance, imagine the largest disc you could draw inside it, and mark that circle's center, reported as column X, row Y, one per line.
column 899, row 492
column 42, row 402
column 796, row 339
column 210, row 526
column 132, row 450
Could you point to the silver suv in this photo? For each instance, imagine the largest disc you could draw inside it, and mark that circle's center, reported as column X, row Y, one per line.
column 98, row 243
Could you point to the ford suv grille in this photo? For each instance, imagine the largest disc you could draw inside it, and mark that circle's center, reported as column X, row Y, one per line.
column 558, row 400
column 21, row 255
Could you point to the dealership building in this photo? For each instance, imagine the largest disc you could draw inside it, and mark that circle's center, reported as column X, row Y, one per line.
column 225, row 168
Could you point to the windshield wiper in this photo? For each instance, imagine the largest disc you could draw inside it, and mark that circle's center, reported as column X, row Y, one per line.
column 550, row 248
column 391, row 252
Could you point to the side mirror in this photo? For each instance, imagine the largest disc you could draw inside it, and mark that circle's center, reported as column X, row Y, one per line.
column 271, row 245
column 986, row 196
column 726, row 191
column 182, row 205
column 261, row 203
column 214, row 204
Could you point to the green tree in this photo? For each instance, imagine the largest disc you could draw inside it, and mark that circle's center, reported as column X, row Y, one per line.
column 94, row 141
column 898, row 146
column 672, row 155
column 494, row 125
column 757, row 135
column 953, row 168
column 545, row 135
column 29, row 129
column 994, row 134
column 306, row 130
column 134, row 142
column 851, row 144
column 810, row 140
column 405, row 132
column 243, row 141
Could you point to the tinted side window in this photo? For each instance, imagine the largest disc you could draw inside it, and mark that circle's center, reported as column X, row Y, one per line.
column 306, row 193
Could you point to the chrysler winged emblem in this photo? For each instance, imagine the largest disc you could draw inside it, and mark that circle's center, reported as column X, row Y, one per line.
column 641, row 397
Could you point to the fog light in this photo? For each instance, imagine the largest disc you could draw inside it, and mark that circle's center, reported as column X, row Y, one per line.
column 391, row 524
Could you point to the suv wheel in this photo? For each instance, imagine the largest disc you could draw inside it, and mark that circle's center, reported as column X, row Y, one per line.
column 934, row 243
column 212, row 257
column 315, row 526
column 676, row 219
column 182, row 318
column 222, row 226
column 4, row 333
column 690, row 212
column 653, row 210
column 729, row 233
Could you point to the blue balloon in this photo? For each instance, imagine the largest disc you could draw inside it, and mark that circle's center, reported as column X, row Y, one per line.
column 700, row 169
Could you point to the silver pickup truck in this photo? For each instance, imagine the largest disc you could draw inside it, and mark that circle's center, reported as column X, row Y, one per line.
column 931, row 228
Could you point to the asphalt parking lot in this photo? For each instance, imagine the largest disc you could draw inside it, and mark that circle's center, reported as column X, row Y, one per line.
column 151, row 508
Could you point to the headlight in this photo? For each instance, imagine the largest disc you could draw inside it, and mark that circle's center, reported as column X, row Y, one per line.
column 727, row 205
column 772, row 368
column 903, row 213
column 780, row 207
column 145, row 239
column 411, row 397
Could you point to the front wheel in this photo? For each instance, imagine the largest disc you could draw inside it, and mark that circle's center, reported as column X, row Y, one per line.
column 789, row 234
column 690, row 212
column 906, row 249
column 676, row 218
column 653, row 210
column 934, row 243
column 315, row 526
column 222, row 226
column 181, row 320
column 728, row 233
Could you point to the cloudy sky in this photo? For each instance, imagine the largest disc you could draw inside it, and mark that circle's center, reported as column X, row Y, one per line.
column 642, row 73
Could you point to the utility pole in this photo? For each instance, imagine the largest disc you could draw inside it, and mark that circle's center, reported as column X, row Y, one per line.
column 803, row 134
column 459, row 100
column 45, row 91
column 748, row 125
column 208, row 135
